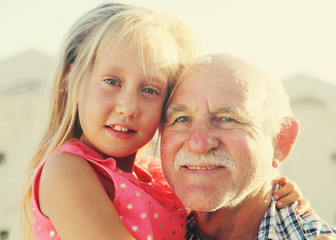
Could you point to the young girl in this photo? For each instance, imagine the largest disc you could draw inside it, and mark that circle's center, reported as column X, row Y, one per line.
column 113, row 78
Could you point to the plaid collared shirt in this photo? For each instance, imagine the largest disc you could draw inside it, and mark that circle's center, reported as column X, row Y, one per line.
column 191, row 228
column 281, row 224
column 286, row 224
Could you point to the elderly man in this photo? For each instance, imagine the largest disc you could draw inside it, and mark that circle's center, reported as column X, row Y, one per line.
column 227, row 129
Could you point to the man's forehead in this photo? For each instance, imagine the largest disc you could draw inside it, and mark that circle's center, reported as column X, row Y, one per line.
column 225, row 71
column 205, row 81
column 224, row 87
column 211, row 72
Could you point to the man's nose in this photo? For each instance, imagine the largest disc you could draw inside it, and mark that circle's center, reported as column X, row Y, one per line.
column 202, row 139
column 127, row 104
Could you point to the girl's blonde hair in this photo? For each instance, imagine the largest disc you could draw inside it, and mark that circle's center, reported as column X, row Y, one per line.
column 162, row 41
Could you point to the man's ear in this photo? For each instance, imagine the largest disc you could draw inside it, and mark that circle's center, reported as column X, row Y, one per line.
column 285, row 140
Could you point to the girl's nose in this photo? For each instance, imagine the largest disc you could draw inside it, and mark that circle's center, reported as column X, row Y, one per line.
column 127, row 105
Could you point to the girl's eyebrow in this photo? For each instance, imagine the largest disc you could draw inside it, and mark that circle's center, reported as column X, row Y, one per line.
column 109, row 68
column 157, row 81
column 160, row 79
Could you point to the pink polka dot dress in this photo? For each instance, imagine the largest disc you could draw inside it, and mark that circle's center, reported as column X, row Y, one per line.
column 148, row 208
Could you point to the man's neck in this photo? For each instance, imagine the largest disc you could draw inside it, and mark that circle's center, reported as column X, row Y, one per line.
column 239, row 222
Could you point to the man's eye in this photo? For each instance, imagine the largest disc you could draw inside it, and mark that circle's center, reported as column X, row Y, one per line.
column 112, row 82
column 227, row 119
column 150, row 91
column 224, row 120
column 182, row 119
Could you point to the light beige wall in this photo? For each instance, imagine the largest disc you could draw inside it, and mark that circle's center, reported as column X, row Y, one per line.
column 15, row 136
column 312, row 163
column 22, row 80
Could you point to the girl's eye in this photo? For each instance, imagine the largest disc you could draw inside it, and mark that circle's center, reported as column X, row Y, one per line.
column 112, row 82
column 150, row 91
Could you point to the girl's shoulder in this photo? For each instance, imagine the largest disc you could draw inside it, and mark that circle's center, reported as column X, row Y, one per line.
column 62, row 164
column 53, row 185
column 69, row 160
column 70, row 190
column 73, row 164
column 61, row 174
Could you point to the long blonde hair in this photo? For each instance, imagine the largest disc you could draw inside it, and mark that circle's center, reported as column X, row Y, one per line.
column 164, row 42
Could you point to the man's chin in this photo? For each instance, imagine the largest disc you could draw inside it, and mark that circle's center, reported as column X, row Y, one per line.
column 200, row 202
column 203, row 208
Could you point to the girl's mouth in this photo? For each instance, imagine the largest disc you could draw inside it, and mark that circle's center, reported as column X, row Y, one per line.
column 120, row 128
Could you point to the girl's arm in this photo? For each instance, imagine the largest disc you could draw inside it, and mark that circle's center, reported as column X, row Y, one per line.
column 74, row 199
column 289, row 193
column 324, row 238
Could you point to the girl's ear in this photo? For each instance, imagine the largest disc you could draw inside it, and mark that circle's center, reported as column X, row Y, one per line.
column 286, row 140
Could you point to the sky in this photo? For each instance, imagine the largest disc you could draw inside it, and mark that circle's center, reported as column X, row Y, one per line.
column 283, row 37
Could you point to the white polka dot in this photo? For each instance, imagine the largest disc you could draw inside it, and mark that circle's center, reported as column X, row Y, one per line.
column 121, row 217
column 134, row 228
column 130, row 206
column 137, row 194
column 143, row 215
column 39, row 228
column 156, row 215
column 52, row 233
column 122, row 185
column 149, row 237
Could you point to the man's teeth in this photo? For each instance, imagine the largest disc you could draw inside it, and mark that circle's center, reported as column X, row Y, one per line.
column 119, row 128
column 200, row 168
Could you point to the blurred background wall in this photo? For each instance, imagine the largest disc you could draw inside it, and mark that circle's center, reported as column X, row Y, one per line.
column 312, row 163
column 22, row 81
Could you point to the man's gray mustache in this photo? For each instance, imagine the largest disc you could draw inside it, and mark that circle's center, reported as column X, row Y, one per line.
column 216, row 157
